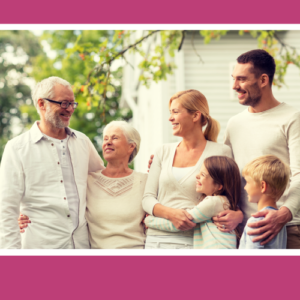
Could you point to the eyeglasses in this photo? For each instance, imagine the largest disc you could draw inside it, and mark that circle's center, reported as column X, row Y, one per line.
column 64, row 103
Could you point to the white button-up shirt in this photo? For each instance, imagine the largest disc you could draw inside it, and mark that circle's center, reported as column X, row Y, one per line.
column 68, row 176
column 31, row 181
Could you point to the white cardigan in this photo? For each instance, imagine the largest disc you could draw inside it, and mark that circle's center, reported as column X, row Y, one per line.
column 163, row 188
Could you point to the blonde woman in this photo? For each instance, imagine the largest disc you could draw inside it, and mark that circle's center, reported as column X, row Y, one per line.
column 170, row 188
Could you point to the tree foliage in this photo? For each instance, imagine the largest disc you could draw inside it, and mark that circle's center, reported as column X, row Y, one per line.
column 92, row 113
column 90, row 60
column 154, row 64
column 16, row 52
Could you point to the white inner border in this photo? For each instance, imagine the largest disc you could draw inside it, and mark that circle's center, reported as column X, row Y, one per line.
column 149, row 26
column 158, row 252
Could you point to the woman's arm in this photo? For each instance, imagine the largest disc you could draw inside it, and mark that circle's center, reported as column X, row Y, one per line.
column 204, row 211
column 151, row 188
column 178, row 217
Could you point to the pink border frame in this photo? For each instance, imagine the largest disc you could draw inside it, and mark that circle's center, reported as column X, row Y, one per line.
column 150, row 12
column 127, row 277
column 162, row 277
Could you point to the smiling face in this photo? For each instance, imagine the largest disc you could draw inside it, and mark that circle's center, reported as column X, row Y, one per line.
column 246, row 85
column 115, row 145
column 55, row 115
column 253, row 190
column 182, row 121
column 205, row 184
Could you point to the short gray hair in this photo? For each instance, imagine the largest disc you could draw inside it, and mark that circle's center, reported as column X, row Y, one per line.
column 131, row 134
column 45, row 89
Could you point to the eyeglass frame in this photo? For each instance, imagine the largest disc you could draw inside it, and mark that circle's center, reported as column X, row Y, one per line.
column 64, row 101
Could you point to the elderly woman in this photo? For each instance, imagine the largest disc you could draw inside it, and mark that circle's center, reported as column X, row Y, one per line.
column 171, row 185
column 114, row 195
column 114, row 210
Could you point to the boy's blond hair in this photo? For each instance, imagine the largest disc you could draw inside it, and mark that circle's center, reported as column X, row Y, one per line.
column 272, row 170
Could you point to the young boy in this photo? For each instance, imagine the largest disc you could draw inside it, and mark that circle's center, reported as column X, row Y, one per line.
column 266, row 180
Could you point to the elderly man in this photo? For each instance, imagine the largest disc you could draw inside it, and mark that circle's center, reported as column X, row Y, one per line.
column 265, row 127
column 44, row 174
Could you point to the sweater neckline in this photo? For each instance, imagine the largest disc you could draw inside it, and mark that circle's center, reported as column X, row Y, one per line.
column 265, row 111
column 115, row 178
column 115, row 186
column 192, row 169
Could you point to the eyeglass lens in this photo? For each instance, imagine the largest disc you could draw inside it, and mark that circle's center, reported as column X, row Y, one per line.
column 65, row 104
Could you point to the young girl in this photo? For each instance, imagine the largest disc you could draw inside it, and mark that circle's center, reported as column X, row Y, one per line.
column 220, row 183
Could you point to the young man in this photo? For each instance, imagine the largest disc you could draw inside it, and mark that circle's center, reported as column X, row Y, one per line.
column 265, row 127
column 266, row 180
column 44, row 173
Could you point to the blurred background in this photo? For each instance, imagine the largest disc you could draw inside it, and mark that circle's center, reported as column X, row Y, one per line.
column 131, row 75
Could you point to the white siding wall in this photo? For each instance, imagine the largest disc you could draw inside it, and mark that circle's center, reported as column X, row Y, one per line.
column 212, row 78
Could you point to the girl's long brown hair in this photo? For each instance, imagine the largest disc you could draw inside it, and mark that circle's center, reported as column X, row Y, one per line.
column 224, row 171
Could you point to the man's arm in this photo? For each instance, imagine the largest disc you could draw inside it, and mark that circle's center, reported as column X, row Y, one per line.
column 95, row 161
column 227, row 141
column 270, row 226
column 12, row 188
column 293, row 141
column 275, row 220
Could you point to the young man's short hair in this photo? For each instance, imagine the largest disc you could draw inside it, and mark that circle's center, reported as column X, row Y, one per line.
column 262, row 61
column 272, row 170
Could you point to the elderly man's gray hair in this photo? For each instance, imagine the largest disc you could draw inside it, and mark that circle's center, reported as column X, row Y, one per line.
column 45, row 89
column 131, row 134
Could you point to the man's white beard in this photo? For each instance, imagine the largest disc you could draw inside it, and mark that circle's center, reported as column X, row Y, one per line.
column 54, row 119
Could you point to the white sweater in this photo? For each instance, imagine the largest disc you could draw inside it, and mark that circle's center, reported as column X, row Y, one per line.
column 163, row 188
column 275, row 131
column 114, row 211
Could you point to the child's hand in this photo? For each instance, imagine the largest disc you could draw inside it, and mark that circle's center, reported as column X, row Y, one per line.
column 23, row 221
column 146, row 215
column 228, row 220
column 150, row 162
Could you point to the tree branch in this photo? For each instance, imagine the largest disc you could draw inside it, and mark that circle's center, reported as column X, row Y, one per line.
column 121, row 53
column 182, row 39
column 194, row 48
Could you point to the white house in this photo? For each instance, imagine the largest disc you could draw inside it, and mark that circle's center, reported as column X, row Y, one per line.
column 212, row 78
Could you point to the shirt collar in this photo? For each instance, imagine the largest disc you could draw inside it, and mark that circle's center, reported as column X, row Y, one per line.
column 37, row 135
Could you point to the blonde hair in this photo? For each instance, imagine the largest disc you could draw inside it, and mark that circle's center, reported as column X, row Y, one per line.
column 192, row 101
column 272, row 170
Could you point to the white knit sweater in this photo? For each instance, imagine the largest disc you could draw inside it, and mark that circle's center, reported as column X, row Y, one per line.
column 274, row 131
column 114, row 211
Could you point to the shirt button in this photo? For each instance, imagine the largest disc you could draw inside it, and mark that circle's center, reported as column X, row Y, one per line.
column 52, row 145
column 65, row 198
column 61, row 181
column 58, row 162
column 68, row 216
column 63, row 153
